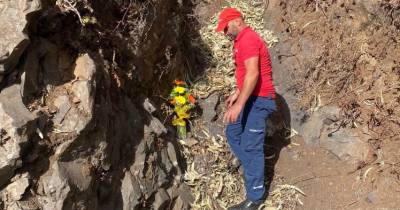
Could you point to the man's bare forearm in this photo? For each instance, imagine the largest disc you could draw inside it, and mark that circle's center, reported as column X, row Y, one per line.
column 249, row 84
column 237, row 92
column 250, row 80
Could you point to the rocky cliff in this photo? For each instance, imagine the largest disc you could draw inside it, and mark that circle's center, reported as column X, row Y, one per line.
column 78, row 128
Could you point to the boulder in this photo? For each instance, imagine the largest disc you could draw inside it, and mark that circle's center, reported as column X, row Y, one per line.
column 40, row 65
column 161, row 200
column 209, row 106
column 14, row 41
column 63, row 180
column 165, row 161
column 75, row 108
column 16, row 189
column 83, row 87
column 212, row 115
column 63, row 105
column 346, row 144
column 184, row 198
column 77, row 172
column 17, row 123
column 172, row 155
column 156, row 126
column 55, row 188
column 148, row 106
column 312, row 129
column 137, row 169
column 130, row 191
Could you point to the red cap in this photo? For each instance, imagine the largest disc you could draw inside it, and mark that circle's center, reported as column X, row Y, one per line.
column 227, row 15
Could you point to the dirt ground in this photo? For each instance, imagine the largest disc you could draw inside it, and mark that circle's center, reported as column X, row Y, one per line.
column 332, row 184
column 342, row 53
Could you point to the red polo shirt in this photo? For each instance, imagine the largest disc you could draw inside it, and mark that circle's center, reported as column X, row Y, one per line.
column 249, row 44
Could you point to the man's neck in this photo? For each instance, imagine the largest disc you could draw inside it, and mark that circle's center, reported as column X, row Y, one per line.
column 242, row 27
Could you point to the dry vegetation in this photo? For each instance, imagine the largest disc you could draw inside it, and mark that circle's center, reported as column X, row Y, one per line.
column 358, row 69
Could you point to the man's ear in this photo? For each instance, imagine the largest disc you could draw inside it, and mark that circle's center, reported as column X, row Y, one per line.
column 239, row 22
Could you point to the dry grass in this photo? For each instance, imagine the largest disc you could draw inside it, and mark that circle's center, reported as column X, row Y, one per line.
column 70, row 6
column 220, row 74
column 214, row 184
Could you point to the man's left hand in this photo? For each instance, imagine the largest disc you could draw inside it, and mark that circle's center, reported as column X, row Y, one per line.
column 233, row 113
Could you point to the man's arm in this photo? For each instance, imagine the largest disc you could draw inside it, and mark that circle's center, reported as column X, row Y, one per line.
column 250, row 81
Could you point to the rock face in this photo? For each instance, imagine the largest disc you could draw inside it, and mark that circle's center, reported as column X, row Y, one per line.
column 41, row 67
column 61, row 180
column 130, row 192
column 313, row 128
column 17, row 123
column 12, row 24
column 211, row 108
column 74, row 108
column 321, row 130
column 16, row 189
column 84, row 86
column 55, row 188
column 95, row 140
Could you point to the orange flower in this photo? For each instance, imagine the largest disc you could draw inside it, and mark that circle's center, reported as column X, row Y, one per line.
column 172, row 101
column 179, row 82
column 191, row 99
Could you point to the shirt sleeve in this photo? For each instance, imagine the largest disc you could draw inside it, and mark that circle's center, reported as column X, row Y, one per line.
column 250, row 47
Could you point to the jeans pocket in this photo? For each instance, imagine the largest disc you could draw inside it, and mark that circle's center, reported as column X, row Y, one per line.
column 265, row 104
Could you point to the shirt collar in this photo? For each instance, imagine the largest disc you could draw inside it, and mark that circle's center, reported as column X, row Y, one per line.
column 241, row 33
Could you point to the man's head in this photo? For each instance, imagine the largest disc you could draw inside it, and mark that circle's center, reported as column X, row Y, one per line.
column 231, row 22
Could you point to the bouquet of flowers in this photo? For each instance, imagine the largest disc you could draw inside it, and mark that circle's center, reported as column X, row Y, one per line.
column 183, row 102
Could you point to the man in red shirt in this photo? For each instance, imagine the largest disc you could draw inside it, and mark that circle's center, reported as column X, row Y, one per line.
column 250, row 105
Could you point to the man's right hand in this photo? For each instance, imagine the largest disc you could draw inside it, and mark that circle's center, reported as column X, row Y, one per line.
column 232, row 98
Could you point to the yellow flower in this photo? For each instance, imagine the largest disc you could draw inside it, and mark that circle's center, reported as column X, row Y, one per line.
column 180, row 100
column 179, row 122
column 180, row 90
column 182, row 114
column 183, row 108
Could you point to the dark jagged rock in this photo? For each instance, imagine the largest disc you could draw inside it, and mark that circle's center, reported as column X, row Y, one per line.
column 17, row 124
column 14, row 40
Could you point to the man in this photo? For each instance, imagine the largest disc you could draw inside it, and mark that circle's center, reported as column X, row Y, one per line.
column 250, row 105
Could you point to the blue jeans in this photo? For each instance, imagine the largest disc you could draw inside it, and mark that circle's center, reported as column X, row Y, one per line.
column 246, row 139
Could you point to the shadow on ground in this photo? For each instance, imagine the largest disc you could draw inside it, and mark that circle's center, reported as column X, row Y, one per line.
column 279, row 125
